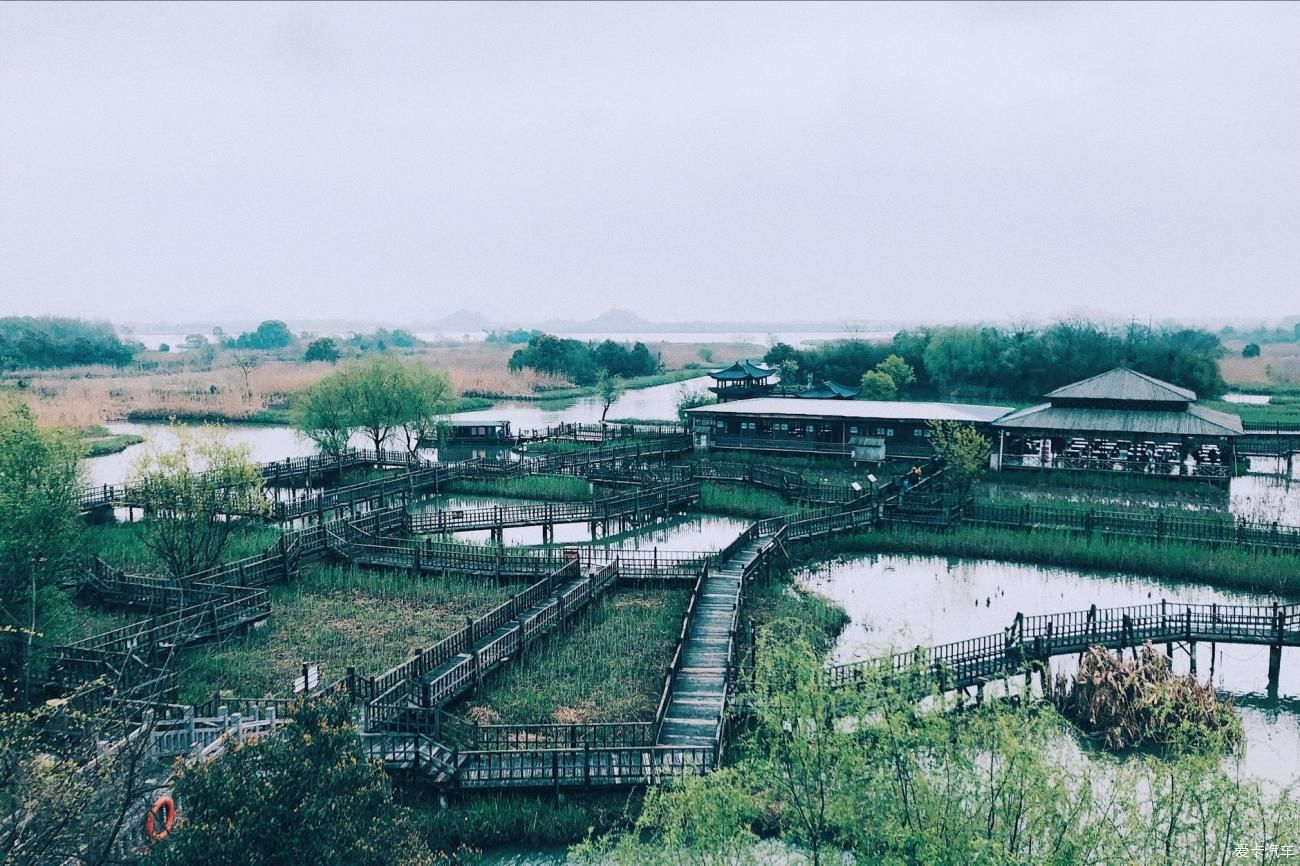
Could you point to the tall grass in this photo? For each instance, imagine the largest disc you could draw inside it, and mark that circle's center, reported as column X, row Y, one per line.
column 609, row 667
column 1229, row 567
column 741, row 501
column 555, row 488
column 525, row 819
column 123, row 544
column 781, row 603
column 335, row 616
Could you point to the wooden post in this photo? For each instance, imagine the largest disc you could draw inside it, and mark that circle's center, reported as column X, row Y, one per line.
column 1274, row 668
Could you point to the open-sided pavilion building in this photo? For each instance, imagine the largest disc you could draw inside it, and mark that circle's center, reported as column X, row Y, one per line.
column 1120, row 421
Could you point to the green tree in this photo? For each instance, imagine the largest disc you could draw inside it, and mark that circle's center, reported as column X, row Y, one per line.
column 427, row 399
column 1250, row 350
column 60, row 807
column 373, row 391
column 305, row 794
column 876, row 385
column 40, row 484
column 323, row 414
column 189, row 494
column 608, row 389
column 688, row 398
column 322, row 349
column 965, row 453
column 899, row 371
column 271, row 334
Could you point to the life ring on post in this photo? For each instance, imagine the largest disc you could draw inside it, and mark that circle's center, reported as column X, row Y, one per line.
column 162, row 816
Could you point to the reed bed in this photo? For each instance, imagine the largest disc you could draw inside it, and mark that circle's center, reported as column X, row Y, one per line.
column 554, row 488
column 1226, row 566
column 1127, row 704
column 335, row 616
column 122, row 545
column 608, row 667
column 741, row 501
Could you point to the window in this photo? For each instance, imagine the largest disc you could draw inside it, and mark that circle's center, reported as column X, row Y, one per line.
column 853, row 431
column 919, row 433
column 721, row 424
column 880, row 431
column 889, row 432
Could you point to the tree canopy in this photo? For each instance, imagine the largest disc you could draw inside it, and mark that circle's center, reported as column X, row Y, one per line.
column 40, row 482
column 582, row 363
column 189, row 493
column 378, row 396
column 305, row 794
column 1014, row 362
column 27, row 341
column 271, row 334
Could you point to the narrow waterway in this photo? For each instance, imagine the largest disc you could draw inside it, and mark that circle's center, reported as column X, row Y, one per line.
column 899, row 602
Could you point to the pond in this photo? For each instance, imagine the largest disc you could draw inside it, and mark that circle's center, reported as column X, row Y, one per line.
column 898, row 602
column 1248, row 399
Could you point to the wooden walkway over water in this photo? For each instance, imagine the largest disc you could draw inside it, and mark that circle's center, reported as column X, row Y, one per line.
column 1034, row 640
column 627, row 510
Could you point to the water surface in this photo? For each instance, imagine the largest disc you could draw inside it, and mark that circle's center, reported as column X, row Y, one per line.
column 899, row 602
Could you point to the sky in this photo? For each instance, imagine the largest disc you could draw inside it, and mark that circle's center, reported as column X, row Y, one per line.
column 683, row 161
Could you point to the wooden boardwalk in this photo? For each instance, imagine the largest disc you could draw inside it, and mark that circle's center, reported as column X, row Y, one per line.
column 628, row 509
column 695, row 691
column 1034, row 640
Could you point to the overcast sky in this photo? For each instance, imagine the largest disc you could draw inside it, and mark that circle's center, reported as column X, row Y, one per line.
column 684, row 161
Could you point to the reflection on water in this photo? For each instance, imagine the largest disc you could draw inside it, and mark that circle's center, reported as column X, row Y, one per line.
column 898, row 602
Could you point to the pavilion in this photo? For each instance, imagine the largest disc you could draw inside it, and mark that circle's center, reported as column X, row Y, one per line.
column 1120, row 421
column 743, row 380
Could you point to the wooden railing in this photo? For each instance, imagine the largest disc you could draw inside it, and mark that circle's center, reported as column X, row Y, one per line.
column 1038, row 638
column 1163, row 525
column 445, row 520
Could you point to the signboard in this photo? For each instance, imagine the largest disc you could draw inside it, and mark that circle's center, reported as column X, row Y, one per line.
column 869, row 448
column 309, row 680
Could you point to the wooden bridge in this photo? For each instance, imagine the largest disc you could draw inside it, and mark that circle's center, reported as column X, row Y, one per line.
column 1032, row 641
column 627, row 510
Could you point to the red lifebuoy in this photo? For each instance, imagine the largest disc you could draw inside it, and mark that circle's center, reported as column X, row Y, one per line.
column 163, row 812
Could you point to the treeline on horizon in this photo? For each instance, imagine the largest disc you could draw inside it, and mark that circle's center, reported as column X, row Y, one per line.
column 48, row 341
column 583, row 363
column 1014, row 363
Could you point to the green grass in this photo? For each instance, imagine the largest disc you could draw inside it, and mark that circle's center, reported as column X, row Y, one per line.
column 1084, row 483
column 100, row 441
column 335, row 616
column 556, row 488
column 277, row 417
column 1284, row 410
column 123, row 544
column 782, row 601
column 474, row 404
column 527, row 820
column 741, row 501
column 608, row 668
column 556, row 446
column 1228, row 567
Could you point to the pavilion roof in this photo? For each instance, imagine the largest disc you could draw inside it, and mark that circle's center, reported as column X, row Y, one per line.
column 1123, row 384
column 827, row 390
column 1193, row 421
column 746, row 369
